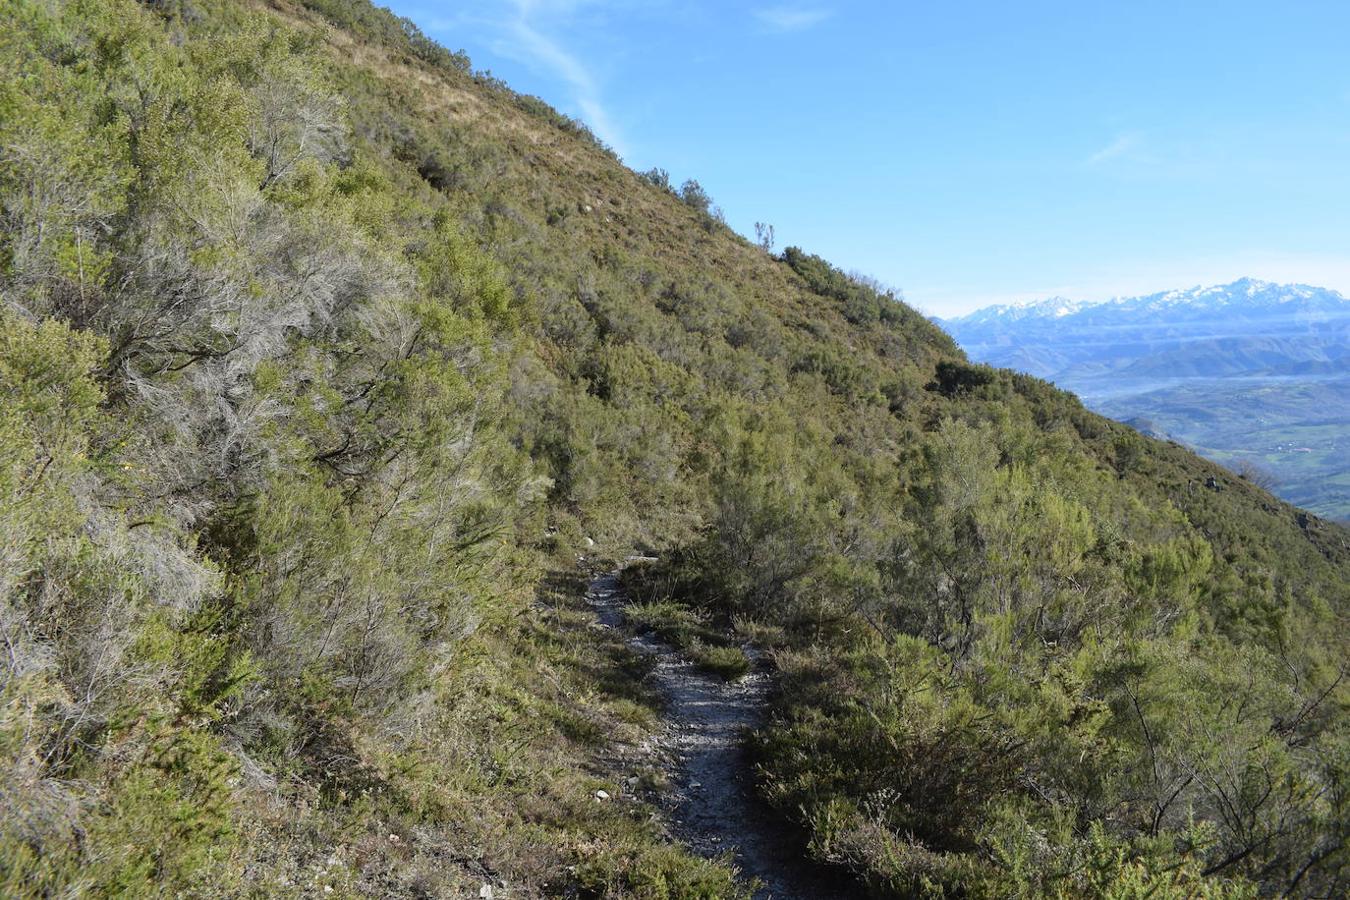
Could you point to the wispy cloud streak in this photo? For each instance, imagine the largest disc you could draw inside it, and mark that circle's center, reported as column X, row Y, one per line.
column 1123, row 145
column 792, row 18
column 528, row 41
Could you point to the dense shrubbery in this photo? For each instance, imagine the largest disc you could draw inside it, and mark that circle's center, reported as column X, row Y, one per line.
column 995, row 660
column 306, row 373
column 257, row 483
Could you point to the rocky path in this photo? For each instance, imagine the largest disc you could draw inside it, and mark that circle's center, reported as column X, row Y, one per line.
column 713, row 807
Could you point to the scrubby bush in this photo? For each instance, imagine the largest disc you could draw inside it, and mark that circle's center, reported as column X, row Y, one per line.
column 657, row 177
column 695, row 197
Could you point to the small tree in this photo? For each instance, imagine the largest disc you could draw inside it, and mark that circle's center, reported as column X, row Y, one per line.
column 764, row 236
column 693, row 194
column 955, row 378
column 657, row 177
column 1255, row 474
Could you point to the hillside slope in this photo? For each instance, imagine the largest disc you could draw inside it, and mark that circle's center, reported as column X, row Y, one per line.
column 322, row 358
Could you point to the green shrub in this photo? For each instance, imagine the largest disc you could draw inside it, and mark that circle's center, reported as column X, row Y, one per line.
column 728, row 663
column 664, row 873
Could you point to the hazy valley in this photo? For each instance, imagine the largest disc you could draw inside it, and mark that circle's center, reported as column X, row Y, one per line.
column 1251, row 374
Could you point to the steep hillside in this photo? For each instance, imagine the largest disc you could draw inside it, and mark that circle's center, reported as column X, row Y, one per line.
column 322, row 360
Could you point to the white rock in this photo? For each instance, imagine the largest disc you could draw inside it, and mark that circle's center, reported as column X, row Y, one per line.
column 602, row 795
column 485, row 892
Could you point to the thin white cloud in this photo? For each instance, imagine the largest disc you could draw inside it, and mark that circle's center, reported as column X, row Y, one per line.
column 528, row 41
column 792, row 18
column 1123, row 145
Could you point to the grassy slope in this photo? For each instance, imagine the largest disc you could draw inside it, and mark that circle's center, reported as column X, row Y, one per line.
column 537, row 170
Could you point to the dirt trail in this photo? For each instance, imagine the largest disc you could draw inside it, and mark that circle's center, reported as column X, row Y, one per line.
column 713, row 808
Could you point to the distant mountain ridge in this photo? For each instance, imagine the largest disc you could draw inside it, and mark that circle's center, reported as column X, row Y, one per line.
column 1249, row 371
column 1247, row 327
column 1248, row 293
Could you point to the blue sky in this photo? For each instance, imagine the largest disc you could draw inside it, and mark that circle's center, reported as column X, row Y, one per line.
column 969, row 152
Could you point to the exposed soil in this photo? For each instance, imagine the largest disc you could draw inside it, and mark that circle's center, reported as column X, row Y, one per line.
column 713, row 807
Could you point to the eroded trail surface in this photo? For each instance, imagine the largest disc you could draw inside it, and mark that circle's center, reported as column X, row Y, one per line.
column 713, row 807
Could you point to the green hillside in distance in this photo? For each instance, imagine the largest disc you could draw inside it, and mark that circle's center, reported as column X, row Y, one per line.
column 331, row 369
column 1288, row 434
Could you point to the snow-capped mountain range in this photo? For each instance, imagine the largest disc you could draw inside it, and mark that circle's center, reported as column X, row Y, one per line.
column 1249, row 326
column 1249, row 294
